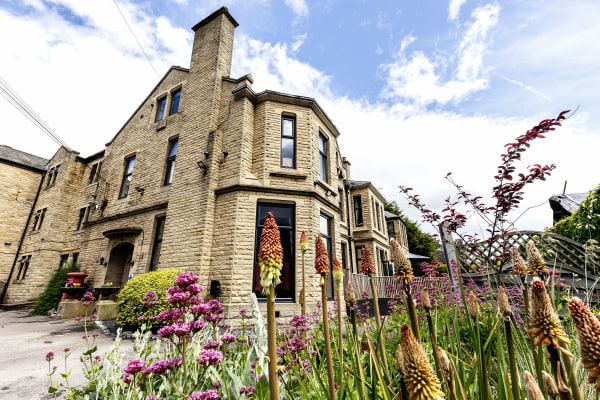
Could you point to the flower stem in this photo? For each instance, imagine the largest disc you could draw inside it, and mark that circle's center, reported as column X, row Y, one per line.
column 514, row 373
column 327, row 339
column 378, row 324
column 303, row 289
column 557, row 369
column 271, row 345
column 340, row 341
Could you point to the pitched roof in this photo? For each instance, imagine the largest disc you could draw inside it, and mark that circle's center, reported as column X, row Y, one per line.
column 12, row 156
column 568, row 202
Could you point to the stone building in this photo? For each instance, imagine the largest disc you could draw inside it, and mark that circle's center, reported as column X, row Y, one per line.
column 187, row 182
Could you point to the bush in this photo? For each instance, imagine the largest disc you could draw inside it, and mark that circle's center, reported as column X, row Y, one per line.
column 130, row 300
column 50, row 298
column 584, row 224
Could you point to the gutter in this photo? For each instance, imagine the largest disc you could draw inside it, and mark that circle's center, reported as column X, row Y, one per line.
column 12, row 269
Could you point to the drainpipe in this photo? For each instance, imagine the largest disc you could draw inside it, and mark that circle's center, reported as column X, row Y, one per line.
column 12, row 269
column 350, row 238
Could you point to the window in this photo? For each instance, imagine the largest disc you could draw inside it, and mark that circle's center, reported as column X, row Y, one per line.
column 63, row 260
column 391, row 230
column 358, row 218
column 52, row 175
column 171, row 161
column 82, row 212
column 344, row 250
column 75, row 258
column 323, row 158
column 341, row 203
column 377, row 212
column 55, row 174
column 127, row 172
column 288, row 142
column 160, row 109
column 39, row 219
column 23, row 266
column 95, row 173
column 285, row 218
column 158, row 237
column 358, row 258
column 325, row 230
column 36, row 218
column 174, row 107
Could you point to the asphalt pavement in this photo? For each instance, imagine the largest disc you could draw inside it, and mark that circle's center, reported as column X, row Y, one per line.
column 24, row 343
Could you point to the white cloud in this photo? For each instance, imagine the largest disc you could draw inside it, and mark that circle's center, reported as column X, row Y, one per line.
column 454, row 9
column 299, row 7
column 418, row 78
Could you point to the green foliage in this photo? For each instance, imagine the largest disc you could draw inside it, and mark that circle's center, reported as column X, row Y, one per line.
column 584, row 224
column 130, row 299
column 419, row 242
column 50, row 298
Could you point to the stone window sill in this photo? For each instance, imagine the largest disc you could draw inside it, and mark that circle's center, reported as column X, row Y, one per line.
column 288, row 175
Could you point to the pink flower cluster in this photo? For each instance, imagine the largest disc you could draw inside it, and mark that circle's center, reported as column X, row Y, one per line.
column 209, row 357
column 210, row 394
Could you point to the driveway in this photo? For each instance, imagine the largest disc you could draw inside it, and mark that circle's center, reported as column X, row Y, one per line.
column 24, row 343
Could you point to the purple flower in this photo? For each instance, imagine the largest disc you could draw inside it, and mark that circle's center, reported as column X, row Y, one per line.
column 210, row 394
column 49, row 356
column 127, row 378
column 67, row 349
column 161, row 367
column 134, row 366
column 77, row 319
column 228, row 338
column 243, row 312
column 209, row 357
column 211, row 344
column 216, row 384
column 141, row 318
column 185, row 279
column 94, row 316
column 151, row 397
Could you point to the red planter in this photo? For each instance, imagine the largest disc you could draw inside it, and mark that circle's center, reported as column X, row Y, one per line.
column 75, row 278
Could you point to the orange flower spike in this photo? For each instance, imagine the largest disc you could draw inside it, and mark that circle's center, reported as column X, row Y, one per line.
column 321, row 258
column 588, row 333
column 270, row 254
column 366, row 262
column 303, row 243
column 544, row 325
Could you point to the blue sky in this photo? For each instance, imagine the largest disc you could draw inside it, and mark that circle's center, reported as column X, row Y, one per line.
column 417, row 88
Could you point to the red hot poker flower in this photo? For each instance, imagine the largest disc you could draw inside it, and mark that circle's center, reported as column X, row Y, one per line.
column 321, row 258
column 270, row 253
column 366, row 262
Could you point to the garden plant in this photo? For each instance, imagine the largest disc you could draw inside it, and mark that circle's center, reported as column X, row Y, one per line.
column 445, row 338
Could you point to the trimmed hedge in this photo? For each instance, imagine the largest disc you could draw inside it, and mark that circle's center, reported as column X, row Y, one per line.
column 130, row 299
column 51, row 296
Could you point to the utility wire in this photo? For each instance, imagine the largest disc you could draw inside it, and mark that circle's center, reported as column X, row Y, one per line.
column 135, row 37
column 16, row 101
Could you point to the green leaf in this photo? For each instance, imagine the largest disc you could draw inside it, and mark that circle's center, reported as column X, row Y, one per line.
column 53, row 388
column 91, row 351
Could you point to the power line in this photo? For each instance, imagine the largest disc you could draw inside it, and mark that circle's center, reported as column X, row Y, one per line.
column 16, row 101
column 136, row 39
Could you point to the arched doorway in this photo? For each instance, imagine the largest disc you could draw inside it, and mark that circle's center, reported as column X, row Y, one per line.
column 119, row 264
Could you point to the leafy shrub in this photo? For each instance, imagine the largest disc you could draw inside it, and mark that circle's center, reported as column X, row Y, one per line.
column 131, row 298
column 584, row 224
column 50, row 298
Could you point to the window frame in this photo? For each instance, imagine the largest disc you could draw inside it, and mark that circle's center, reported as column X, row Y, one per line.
column 159, row 231
column 327, row 238
column 175, row 97
column 127, row 176
column 64, row 258
column 23, row 267
column 170, row 163
column 341, row 204
column 82, row 213
column 292, row 138
column 323, row 165
column 95, row 172
column 56, row 168
column 161, row 105
column 358, row 210
column 289, row 247
column 41, row 219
